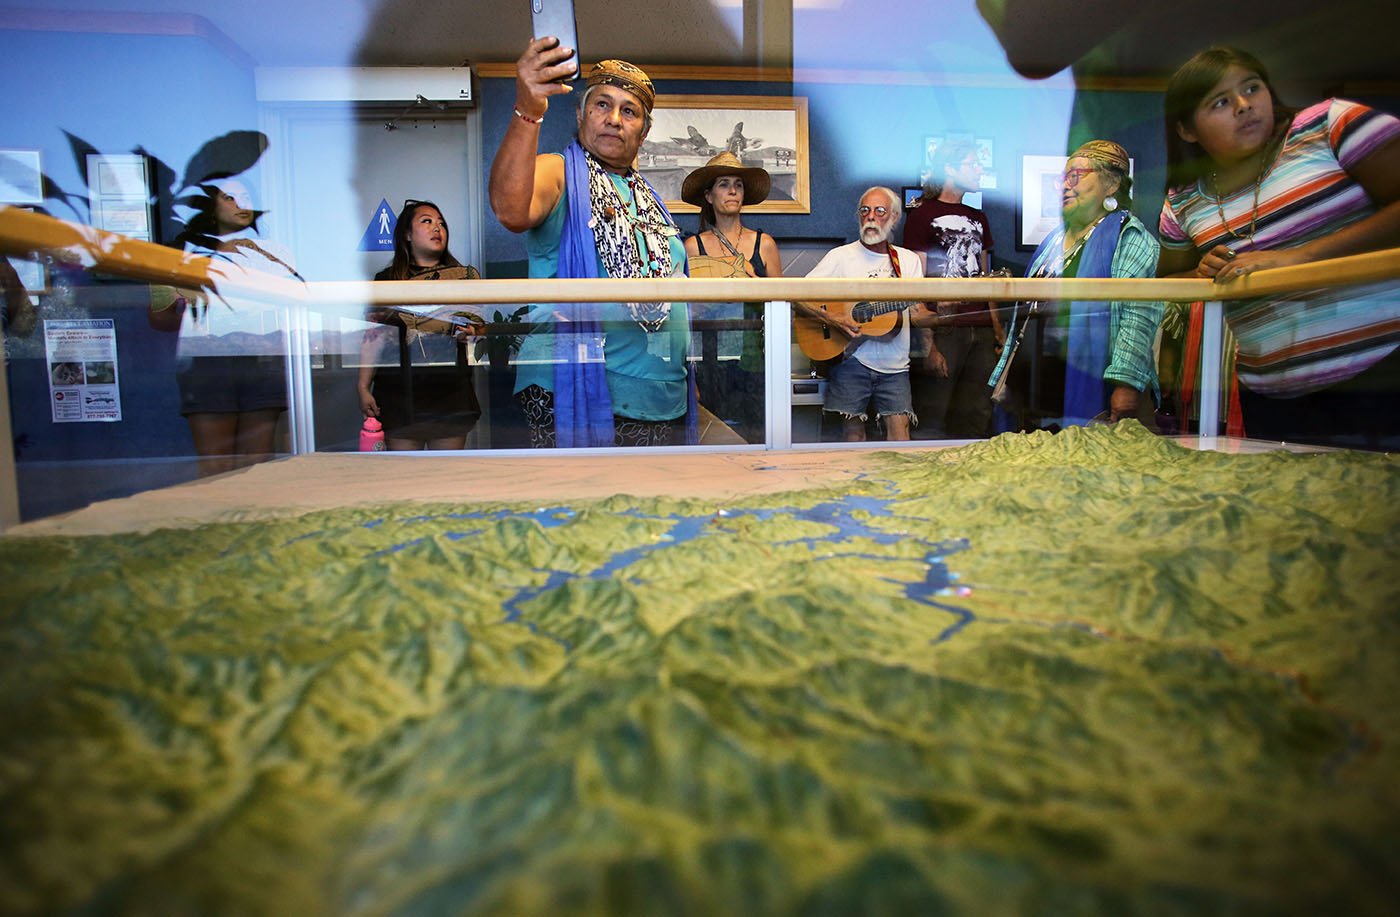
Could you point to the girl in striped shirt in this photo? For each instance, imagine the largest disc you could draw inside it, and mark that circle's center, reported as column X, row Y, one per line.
column 1254, row 184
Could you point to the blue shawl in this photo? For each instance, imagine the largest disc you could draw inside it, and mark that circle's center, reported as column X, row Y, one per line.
column 582, row 407
column 1086, row 395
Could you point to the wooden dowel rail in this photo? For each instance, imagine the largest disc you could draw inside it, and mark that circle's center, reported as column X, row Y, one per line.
column 23, row 232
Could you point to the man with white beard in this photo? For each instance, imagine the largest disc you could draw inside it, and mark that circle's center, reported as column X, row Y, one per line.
column 875, row 369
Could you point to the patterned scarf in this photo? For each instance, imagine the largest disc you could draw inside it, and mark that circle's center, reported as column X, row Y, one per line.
column 582, row 406
column 631, row 245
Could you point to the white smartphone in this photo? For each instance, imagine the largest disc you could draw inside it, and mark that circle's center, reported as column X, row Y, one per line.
column 556, row 17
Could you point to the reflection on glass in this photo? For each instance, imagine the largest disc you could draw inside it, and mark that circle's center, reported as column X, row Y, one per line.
column 232, row 354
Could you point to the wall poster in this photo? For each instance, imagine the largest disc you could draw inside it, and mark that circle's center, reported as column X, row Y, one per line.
column 82, row 363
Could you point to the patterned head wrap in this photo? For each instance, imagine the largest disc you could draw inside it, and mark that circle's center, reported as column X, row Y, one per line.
column 626, row 76
column 1106, row 153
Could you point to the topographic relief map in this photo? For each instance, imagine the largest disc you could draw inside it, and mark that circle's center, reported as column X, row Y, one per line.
column 1085, row 673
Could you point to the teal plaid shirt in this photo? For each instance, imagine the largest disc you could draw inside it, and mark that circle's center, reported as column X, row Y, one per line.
column 1132, row 324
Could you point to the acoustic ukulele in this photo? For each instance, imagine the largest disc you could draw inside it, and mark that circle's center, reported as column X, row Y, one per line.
column 820, row 341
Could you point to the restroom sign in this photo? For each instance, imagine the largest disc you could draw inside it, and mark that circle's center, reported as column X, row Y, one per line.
column 379, row 234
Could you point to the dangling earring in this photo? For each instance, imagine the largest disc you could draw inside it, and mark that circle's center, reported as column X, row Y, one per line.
column 1110, row 203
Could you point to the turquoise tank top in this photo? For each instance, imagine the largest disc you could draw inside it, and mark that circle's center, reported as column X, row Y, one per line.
column 646, row 371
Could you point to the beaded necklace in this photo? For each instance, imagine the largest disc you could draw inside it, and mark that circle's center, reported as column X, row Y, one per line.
column 724, row 240
column 1254, row 211
column 1069, row 256
column 631, row 245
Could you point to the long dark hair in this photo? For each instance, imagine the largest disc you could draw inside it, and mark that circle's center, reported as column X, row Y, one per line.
column 202, row 230
column 707, row 211
column 1193, row 80
column 401, row 268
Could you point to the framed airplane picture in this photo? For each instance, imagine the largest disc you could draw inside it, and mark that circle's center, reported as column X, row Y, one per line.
column 768, row 132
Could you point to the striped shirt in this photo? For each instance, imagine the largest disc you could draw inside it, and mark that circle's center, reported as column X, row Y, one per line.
column 1297, row 343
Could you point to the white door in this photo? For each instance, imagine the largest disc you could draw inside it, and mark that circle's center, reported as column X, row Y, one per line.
column 330, row 166
column 326, row 170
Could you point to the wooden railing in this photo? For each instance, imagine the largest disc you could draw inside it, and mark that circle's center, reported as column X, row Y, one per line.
column 23, row 232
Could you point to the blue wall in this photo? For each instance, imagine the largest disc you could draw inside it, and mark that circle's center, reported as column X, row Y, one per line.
column 167, row 94
column 863, row 134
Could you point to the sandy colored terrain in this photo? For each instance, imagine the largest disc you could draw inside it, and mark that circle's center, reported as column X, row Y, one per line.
column 327, row 480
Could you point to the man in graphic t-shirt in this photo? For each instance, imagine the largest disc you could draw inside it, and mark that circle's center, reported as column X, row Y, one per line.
column 955, row 241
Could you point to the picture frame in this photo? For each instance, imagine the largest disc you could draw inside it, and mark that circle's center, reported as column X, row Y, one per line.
column 33, row 275
column 986, row 155
column 766, row 131
column 120, row 187
column 21, row 177
column 1039, row 208
column 911, row 195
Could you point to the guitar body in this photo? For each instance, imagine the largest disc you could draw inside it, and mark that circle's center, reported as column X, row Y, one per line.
column 820, row 341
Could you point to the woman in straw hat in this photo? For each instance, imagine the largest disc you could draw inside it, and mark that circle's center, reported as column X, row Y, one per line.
column 721, row 189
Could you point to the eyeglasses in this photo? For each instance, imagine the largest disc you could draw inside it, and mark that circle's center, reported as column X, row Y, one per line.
column 879, row 211
column 412, row 202
column 1072, row 177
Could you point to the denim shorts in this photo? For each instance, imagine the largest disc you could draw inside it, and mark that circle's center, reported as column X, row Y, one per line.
column 851, row 386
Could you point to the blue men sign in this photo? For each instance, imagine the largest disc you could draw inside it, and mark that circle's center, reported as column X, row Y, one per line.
column 379, row 234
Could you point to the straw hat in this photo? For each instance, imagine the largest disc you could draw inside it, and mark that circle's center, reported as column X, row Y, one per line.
column 756, row 180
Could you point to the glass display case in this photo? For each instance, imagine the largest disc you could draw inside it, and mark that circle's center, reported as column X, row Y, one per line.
column 318, row 141
column 354, row 562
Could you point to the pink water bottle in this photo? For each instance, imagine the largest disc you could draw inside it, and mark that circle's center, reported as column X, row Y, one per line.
column 372, row 436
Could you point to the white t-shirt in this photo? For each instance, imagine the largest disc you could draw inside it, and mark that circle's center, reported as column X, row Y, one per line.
column 888, row 353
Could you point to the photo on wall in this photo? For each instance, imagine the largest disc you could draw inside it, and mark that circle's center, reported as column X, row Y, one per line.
column 985, row 148
column 21, row 180
column 768, row 132
column 1039, row 210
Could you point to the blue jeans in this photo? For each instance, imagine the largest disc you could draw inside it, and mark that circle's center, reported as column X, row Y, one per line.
column 851, row 387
